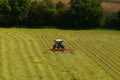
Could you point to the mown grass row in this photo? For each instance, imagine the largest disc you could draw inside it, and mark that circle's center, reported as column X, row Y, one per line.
column 26, row 59
column 99, row 55
column 24, row 55
column 72, row 46
column 57, row 62
column 91, row 68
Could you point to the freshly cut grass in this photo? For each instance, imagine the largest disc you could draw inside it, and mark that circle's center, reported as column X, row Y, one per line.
column 24, row 55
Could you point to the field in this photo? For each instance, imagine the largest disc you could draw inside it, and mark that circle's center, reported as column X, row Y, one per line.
column 111, row 5
column 108, row 5
column 24, row 55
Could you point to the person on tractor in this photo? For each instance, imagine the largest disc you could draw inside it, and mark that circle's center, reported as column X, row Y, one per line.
column 58, row 44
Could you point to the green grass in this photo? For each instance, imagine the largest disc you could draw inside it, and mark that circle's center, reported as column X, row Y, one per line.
column 24, row 55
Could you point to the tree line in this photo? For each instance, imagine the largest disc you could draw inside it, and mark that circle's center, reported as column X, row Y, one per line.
column 78, row 14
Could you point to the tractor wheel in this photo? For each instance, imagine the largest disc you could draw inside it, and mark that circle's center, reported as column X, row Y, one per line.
column 54, row 46
column 62, row 46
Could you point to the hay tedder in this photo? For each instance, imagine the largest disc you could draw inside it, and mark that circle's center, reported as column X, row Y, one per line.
column 58, row 46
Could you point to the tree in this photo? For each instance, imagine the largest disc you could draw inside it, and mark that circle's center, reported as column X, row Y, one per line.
column 4, row 7
column 41, row 13
column 4, row 12
column 18, row 10
column 113, row 21
column 60, row 10
column 60, row 5
column 118, row 21
column 87, row 13
column 33, row 14
column 47, row 12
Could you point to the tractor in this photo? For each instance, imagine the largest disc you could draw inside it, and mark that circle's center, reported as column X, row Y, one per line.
column 58, row 45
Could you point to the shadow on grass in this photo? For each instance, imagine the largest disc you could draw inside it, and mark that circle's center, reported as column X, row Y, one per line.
column 54, row 27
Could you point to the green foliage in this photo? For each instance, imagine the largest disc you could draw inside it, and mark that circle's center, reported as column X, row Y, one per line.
column 33, row 13
column 4, row 11
column 81, row 14
column 60, row 12
column 18, row 10
column 47, row 9
column 41, row 13
column 113, row 21
column 4, row 7
column 18, row 6
column 86, row 12
column 60, row 5
column 118, row 21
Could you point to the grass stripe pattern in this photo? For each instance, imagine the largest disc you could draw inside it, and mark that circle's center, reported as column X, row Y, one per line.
column 25, row 55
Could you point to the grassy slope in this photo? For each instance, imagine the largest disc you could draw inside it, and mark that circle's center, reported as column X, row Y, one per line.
column 23, row 55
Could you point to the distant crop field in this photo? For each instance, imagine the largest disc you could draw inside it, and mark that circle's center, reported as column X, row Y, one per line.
column 24, row 55
column 113, row 1
column 111, row 6
column 108, row 5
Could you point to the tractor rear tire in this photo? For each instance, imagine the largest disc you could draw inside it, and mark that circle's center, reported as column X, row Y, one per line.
column 54, row 46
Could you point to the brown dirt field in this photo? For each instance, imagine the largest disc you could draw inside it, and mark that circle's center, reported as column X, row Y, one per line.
column 113, row 1
column 111, row 6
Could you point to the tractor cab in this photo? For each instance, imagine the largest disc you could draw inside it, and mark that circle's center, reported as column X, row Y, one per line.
column 58, row 44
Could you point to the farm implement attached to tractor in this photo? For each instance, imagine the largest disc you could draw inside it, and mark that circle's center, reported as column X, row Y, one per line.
column 58, row 46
